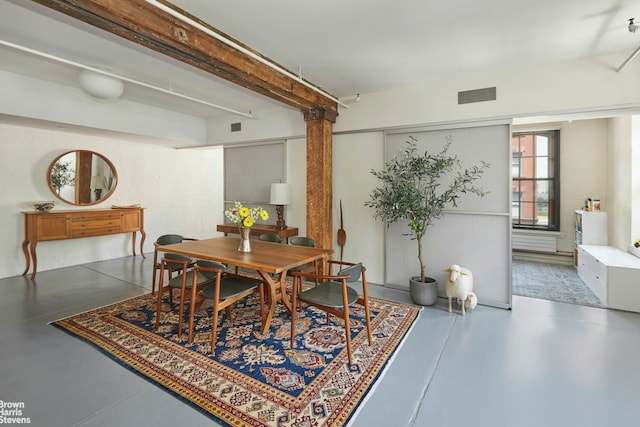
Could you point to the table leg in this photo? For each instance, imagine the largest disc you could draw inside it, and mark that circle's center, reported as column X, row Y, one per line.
column 27, row 257
column 272, row 298
column 34, row 258
column 143, row 236
column 283, row 289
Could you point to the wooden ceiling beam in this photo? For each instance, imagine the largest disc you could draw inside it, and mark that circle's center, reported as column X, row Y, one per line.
column 147, row 25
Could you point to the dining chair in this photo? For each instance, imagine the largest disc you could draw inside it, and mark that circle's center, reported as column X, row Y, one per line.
column 270, row 237
column 165, row 239
column 224, row 290
column 333, row 295
column 303, row 241
column 187, row 279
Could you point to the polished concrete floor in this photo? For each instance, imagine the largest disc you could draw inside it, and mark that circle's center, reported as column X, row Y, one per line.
column 540, row 364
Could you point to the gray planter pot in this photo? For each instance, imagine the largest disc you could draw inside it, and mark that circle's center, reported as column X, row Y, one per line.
column 423, row 293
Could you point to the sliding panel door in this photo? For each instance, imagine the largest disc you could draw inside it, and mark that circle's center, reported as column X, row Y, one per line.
column 477, row 233
column 249, row 171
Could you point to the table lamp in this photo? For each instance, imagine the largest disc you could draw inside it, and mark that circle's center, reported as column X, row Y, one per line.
column 98, row 185
column 280, row 197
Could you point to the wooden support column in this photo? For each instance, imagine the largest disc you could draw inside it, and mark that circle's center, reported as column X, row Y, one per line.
column 319, row 175
column 83, row 176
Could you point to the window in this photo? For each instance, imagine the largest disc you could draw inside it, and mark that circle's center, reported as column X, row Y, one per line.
column 535, row 171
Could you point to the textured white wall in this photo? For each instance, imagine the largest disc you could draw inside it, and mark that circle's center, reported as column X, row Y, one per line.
column 180, row 189
column 24, row 96
column 635, row 179
column 583, row 172
column 619, row 183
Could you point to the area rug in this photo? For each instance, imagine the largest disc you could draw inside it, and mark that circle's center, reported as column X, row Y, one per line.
column 553, row 282
column 252, row 380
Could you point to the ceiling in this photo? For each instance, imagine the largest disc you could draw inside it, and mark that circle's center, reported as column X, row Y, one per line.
column 345, row 47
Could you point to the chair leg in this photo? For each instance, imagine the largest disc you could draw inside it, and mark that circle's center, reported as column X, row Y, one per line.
column 347, row 326
column 214, row 317
column 214, row 328
column 155, row 271
column 261, row 292
column 192, row 308
column 153, row 279
column 181, row 310
column 364, row 300
column 160, row 292
column 294, row 309
column 347, row 330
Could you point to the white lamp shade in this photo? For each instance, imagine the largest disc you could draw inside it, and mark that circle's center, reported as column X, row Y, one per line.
column 279, row 194
column 99, row 182
column 100, row 86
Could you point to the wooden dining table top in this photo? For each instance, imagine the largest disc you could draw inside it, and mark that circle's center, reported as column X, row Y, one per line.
column 264, row 256
column 270, row 260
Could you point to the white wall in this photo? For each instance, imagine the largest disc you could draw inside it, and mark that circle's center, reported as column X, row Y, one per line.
column 558, row 87
column 619, row 183
column 635, row 179
column 24, row 96
column 181, row 191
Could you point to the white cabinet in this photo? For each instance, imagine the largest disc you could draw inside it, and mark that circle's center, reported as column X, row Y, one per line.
column 612, row 274
column 590, row 229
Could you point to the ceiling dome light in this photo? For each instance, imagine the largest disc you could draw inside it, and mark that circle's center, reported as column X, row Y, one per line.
column 100, row 85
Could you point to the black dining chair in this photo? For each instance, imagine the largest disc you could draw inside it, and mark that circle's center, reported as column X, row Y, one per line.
column 270, row 237
column 224, row 290
column 303, row 241
column 333, row 295
column 165, row 239
column 185, row 279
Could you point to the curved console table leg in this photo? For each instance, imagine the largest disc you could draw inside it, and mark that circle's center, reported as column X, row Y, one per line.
column 142, row 238
column 133, row 243
column 27, row 257
column 34, row 257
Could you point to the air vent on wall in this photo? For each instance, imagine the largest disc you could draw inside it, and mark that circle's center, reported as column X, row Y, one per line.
column 236, row 127
column 477, row 95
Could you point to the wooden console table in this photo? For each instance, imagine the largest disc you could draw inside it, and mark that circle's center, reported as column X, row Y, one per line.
column 258, row 230
column 73, row 224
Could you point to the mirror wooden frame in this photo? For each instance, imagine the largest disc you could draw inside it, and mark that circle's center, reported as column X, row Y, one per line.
column 94, row 174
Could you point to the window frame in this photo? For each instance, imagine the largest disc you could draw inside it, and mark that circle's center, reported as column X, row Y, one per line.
column 518, row 221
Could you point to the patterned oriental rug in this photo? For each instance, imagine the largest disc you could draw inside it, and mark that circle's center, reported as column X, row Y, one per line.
column 252, row 380
column 553, row 282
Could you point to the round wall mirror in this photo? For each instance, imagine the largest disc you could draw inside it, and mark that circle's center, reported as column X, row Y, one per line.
column 82, row 177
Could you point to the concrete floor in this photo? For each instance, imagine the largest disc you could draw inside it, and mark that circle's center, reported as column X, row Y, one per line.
column 540, row 364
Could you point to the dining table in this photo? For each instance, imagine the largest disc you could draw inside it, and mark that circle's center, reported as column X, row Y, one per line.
column 271, row 261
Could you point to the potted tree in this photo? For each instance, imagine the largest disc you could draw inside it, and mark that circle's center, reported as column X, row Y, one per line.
column 413, row 189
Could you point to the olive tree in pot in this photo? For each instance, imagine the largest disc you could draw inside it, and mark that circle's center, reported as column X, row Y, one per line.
column 413, row 188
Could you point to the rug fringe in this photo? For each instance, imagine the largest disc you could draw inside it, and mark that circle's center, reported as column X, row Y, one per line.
column 96, row 308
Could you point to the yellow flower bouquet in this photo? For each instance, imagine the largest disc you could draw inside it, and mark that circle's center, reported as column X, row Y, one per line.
column 245, row 217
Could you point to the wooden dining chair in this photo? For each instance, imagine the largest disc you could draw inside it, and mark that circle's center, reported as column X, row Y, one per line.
column 224, row 290
column 332, row 295
column 185, row 279
column 165, row 239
